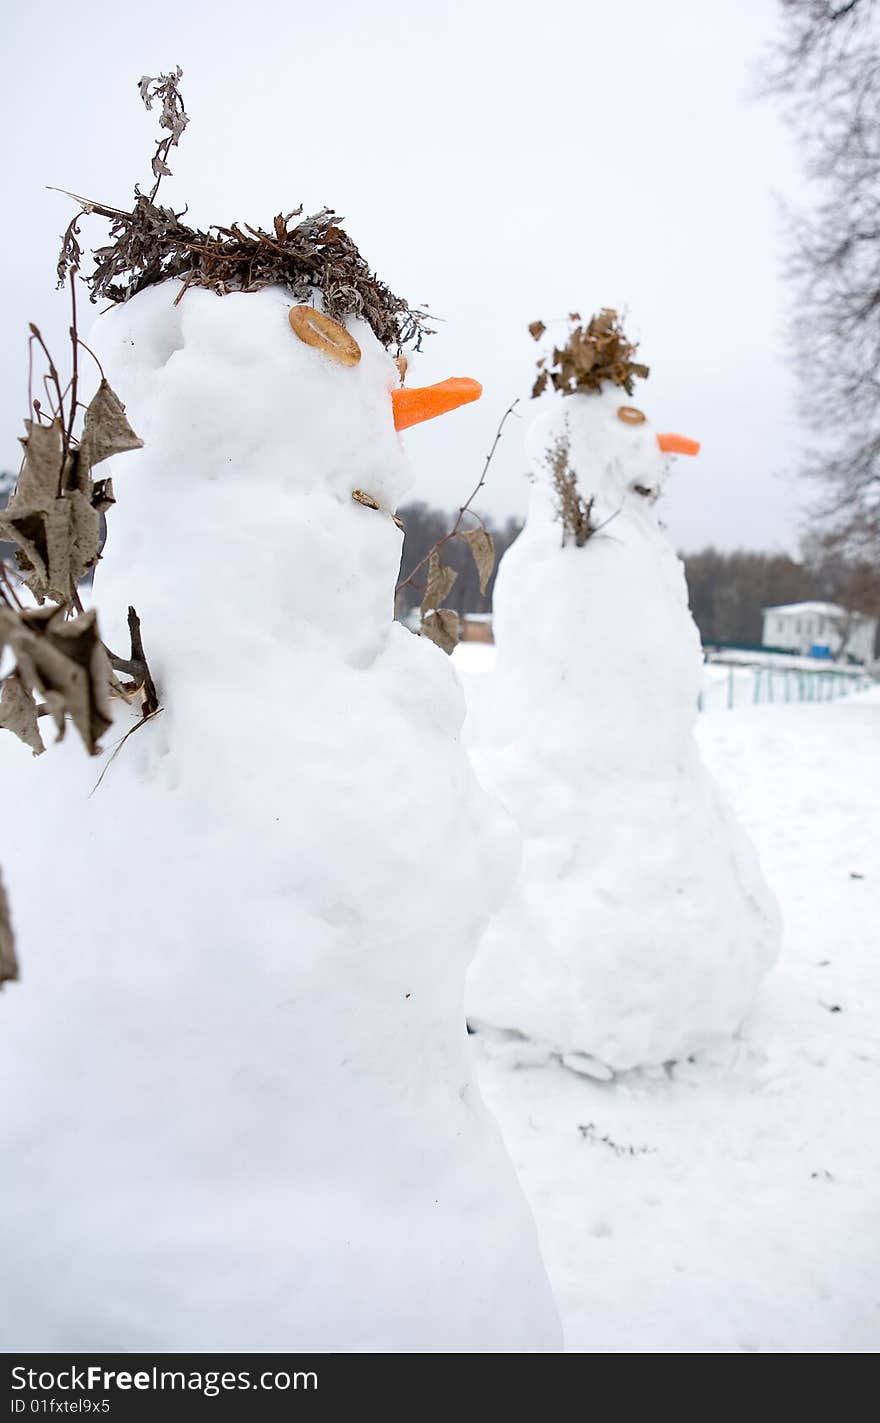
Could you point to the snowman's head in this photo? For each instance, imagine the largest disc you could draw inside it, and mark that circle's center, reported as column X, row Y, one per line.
column 271, row 455
column 614, row 451
column 244, row 377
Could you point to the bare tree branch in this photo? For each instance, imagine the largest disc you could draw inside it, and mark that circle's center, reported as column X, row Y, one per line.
column 826, row 71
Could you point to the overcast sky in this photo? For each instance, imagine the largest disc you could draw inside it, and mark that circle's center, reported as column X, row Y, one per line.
column 501, row 162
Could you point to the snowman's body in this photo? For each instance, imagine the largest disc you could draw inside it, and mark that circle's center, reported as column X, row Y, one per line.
column 239, row 1111
column 640, row 925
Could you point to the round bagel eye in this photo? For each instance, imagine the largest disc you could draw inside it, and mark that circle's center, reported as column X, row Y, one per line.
column 630, row 415
column 316, row 329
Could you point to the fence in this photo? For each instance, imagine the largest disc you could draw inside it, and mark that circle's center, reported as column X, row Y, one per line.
column 730, row 685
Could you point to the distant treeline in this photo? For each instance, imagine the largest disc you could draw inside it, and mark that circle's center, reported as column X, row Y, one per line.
column 729, row 590
column 424, row 526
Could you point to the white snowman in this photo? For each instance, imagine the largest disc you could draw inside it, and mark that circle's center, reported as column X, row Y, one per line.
column 240, row 1112
column 640, row 925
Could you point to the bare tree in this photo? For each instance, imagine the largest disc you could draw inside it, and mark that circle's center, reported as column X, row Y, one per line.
column 827, row 70
column 854, row 584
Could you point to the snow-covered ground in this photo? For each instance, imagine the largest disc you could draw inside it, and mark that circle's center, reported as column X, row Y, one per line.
column 732, row 1204
column 725, row 686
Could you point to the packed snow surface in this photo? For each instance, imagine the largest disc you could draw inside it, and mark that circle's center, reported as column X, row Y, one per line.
column 239, row 1110
column 730, row 1205
column 640, row 925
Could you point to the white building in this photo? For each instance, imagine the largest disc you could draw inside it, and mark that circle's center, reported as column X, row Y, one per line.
column 824, row 628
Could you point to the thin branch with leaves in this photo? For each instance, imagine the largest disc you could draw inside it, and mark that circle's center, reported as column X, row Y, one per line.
column 437, row 622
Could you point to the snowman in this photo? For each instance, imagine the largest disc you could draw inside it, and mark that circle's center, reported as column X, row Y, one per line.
column 239, row 1111
column 640, row 925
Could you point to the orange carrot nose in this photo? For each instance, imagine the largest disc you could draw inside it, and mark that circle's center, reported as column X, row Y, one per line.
column 678, row 445
column 411, row 407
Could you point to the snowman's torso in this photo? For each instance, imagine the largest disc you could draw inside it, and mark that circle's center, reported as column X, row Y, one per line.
column 246, row 1116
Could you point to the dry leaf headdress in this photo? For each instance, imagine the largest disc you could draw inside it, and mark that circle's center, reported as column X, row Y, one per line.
column 592, row 354
column 151, row 243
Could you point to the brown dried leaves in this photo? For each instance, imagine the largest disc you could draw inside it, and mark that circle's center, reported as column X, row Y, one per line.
column 480, row 543
column 150, row 244
column 593, row 354
column 442, row 625
column 439, row 584
column 106, row 431
column 18, row 712
column 54, row 518
column 64, row 662
column 173, row 117
column 8, row 961
column 574, row 512
column 54, row 514
column 438, row 623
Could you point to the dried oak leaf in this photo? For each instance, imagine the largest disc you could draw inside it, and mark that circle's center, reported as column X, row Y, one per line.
column 39, row 482
column 85, row 534
column 442, row 627
column 56, row 546
column 483, row 549
column 440, row 580
column 66, row 662
column 536, row 330
column 44, row 547
column 106, row 430
column 8, row 961
column 54, row 518
column 18, row 712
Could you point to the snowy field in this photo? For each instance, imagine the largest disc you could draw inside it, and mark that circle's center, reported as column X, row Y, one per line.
column 731, row 1204
column 725, row 686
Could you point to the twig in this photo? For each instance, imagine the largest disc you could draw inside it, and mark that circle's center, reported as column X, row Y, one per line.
column 136, row 665
column 53, row 376
column 119, row 745
column 47, row 390
column 88, row 206
column 74, row 374
column 184, row 289
column 30, row 394
column 151, row 700
column 7, row 587
column 82, row 343
column 465, row 507
column 482, row 480
column 605, row 522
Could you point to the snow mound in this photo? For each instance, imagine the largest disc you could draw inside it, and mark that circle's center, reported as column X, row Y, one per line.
column 640, row 925
column 244, row 1114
